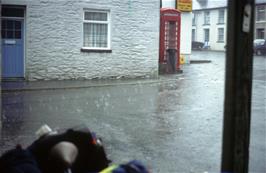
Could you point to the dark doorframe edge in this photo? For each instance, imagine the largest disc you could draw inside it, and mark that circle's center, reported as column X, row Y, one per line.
column 238, row 88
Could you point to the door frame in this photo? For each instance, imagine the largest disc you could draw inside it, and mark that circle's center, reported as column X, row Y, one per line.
column 23, row 21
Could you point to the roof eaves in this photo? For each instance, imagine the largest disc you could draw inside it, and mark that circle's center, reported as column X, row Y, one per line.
column 214, row 8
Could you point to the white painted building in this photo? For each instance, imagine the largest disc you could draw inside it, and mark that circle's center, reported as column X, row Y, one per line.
column 209, row 24
column 186, row 23
column 260, row 20
column 210, row 18
column 85, row 39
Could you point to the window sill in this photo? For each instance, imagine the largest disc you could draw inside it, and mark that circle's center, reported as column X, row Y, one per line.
column 220, row 41
column 96, row 50
column 260, row 21
column 220, row 23
column 206, row 24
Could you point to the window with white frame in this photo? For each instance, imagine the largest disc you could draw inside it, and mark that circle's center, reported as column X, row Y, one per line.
column 193, row 34
column 206, row 35
column 260, row 33
column 194, row 19
column 260, row 13
column 96, row 29
column 221, row 16
column 206, row 18
column 220, row 35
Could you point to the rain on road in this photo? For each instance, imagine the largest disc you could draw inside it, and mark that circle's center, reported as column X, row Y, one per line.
column 172, row 125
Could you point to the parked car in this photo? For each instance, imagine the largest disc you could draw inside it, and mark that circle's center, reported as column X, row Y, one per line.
column 196, row 45
column 258, row 42
column 259, row 47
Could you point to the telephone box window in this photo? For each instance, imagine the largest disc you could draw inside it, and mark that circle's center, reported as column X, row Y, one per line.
column 169, row 61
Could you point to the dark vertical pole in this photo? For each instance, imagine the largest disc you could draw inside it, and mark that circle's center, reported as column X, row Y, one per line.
column 0, row 66
column 238, row 84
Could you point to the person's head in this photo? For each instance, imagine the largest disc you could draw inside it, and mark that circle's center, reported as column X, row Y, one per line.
column 90, row 156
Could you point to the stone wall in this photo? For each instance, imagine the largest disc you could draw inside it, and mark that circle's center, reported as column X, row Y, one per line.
column 54, row 38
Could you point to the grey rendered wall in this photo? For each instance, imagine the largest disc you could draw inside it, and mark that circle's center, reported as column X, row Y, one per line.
column 54, row 38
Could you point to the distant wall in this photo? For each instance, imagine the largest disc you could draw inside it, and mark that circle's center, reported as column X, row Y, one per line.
column 54, row 38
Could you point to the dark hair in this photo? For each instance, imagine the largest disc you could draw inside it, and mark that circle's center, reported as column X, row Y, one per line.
column 91, row 155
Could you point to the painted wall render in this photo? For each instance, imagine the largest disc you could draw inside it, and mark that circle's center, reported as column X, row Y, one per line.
column 213, row 28
column 54, row 38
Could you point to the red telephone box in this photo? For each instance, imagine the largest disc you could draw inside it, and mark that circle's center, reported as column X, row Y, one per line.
column 169, row 40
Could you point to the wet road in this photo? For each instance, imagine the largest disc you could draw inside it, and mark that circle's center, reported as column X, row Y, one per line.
column 173, row 125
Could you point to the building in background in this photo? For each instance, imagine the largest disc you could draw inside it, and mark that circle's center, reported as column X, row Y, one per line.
column 260, row 19
column 186, row 23
column 209, row 22
column 69, row 39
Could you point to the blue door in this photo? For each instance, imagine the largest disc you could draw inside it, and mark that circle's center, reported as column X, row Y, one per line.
column 12, row 48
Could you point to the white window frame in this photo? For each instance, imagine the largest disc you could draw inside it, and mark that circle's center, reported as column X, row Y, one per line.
column 108, row 22
column 258, row 31
column 207, row 18
column 221, row 14
column 220, row 34
column 204, row 30
column 194, row 19
column 193, row 38
column 260, row 12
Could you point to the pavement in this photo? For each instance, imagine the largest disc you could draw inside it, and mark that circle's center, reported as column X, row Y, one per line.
column 23, row 85
column 15, row 86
